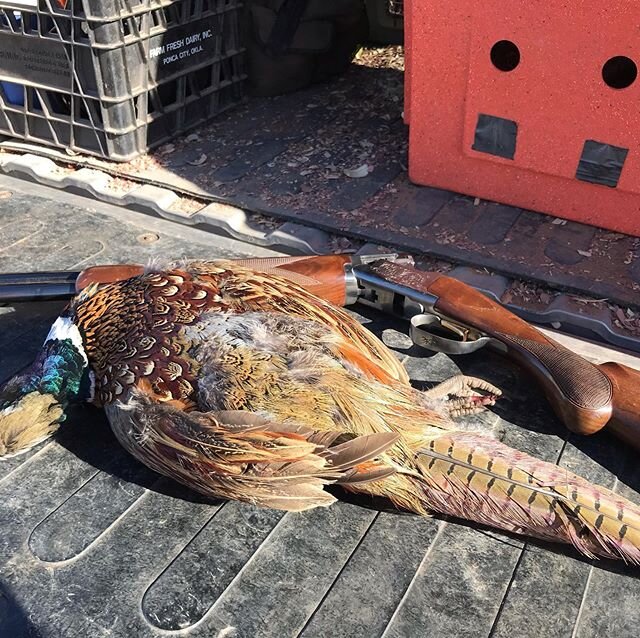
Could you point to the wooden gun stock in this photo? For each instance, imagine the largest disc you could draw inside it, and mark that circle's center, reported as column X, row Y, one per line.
column 584, row 395
column 625, row 420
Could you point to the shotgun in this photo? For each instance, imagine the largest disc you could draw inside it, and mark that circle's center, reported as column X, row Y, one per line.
column 445, row 315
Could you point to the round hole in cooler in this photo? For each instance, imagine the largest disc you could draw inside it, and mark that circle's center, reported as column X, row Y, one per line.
column 505, row 55
column 619, row 72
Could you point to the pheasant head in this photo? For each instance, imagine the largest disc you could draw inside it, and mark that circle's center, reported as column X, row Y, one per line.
column 32, row 403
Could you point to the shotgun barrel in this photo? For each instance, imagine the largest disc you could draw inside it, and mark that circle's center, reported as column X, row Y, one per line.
column 37, row 286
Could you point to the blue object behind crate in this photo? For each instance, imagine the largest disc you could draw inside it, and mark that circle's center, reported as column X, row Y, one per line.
column 13, row 92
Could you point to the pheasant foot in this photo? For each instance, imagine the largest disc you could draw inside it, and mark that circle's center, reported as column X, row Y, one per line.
column 464, row 395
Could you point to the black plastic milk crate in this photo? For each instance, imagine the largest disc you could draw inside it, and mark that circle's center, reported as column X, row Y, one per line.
column 116, row 77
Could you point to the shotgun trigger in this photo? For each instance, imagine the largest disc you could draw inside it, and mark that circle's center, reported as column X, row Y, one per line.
column 427, row 332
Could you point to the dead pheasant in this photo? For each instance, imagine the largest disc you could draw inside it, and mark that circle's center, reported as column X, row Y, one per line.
column 243, row 385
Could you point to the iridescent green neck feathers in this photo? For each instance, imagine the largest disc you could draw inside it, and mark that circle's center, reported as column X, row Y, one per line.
column 61, row 366
column 32, row 404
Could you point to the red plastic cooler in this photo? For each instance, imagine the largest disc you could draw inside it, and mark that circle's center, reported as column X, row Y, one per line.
column 532, row 104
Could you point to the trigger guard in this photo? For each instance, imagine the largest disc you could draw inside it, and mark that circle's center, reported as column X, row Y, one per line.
column 430, row 341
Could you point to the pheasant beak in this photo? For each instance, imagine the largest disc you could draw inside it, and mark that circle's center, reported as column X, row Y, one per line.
column 27, row 420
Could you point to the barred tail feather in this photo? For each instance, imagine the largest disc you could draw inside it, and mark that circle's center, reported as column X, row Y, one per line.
column 474, row 477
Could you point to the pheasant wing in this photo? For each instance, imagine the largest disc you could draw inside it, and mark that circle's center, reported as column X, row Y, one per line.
column 240, row 455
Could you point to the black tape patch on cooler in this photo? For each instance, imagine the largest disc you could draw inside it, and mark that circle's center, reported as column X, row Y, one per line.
column 601, row 163
column 496, row 136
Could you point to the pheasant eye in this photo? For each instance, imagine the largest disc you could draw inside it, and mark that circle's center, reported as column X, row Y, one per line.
column 505, row 55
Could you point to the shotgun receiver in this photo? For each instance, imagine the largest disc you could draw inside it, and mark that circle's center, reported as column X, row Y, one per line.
column 449, row 316
column 445, row 315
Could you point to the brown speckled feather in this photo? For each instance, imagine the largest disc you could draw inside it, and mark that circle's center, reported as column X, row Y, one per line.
column 133, row 330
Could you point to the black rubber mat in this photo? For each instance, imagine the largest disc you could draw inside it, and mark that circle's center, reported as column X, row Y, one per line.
column 94, row 544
